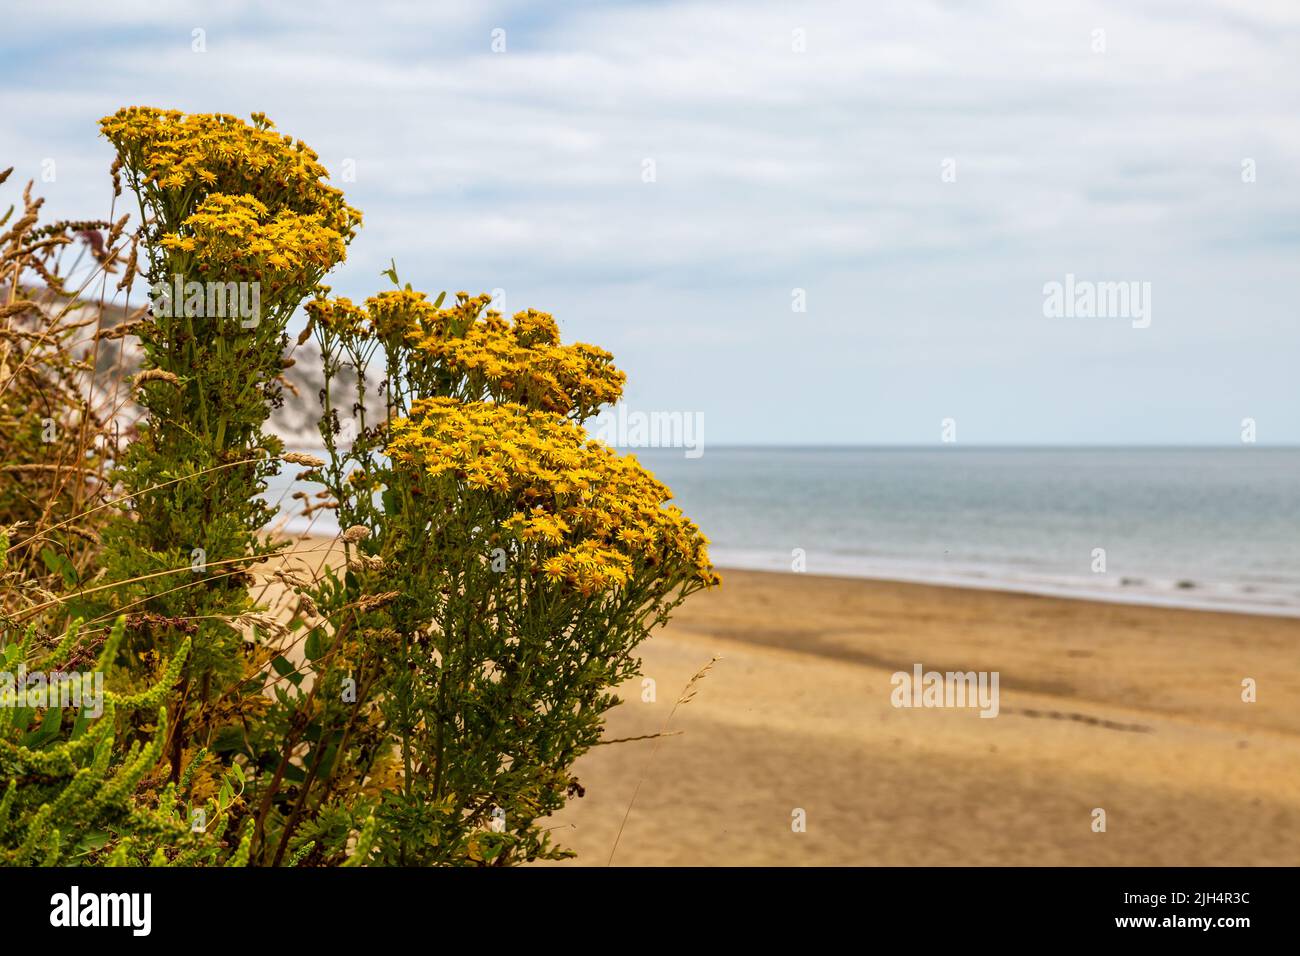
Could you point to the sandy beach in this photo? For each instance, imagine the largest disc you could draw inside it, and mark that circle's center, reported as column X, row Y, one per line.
column 1135, row 710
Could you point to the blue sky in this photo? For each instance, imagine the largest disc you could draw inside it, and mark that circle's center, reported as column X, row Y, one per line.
column 1114, row 156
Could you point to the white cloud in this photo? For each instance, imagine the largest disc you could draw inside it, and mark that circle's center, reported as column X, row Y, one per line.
column 774, row 168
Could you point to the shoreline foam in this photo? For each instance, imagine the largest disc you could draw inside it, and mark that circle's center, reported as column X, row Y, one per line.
column 1145, row 591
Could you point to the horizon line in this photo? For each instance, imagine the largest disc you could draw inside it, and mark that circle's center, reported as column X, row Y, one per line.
column 831, row 446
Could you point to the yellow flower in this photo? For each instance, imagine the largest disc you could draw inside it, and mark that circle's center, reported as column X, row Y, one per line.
column 594, row 519
column 191, row 156
column 522, row 362
column 237, row 236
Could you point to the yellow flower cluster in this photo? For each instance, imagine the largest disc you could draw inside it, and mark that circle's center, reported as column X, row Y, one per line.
column 186, row 157
column 593, row 518
column 522, row 361
column 400, row 314
column 236, row 236
column 394, row 316
column 338, row 315
column 519, row 361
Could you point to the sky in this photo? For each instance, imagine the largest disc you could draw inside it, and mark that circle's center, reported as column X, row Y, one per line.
column 806, row 222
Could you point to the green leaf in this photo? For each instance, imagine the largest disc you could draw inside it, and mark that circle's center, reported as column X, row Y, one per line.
column 48, row 730
column 286, row 670
column 61, row 565
column 93, row 840
column 79, row 724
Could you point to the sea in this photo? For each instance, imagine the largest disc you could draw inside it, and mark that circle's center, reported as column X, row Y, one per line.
column 1185, row 527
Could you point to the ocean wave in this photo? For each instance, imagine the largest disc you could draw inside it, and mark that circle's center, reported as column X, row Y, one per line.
column 1185, row 593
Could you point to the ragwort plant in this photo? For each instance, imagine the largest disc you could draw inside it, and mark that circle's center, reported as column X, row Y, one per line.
column 502, row 567
column 239, row 227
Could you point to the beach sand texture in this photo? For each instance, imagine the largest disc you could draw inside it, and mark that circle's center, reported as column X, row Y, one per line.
column 1136, row 710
